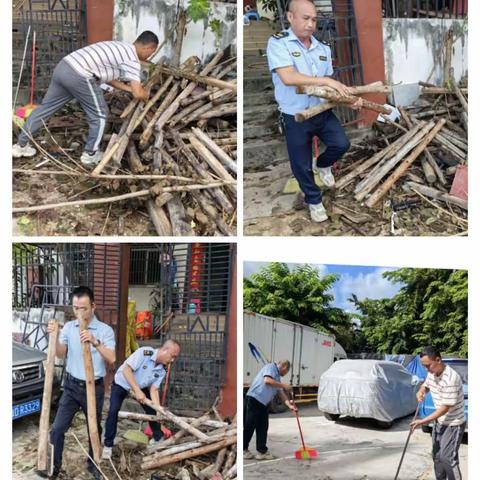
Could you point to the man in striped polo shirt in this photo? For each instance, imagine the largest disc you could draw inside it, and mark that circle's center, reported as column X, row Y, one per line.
column 446, row 388
column 79, row 76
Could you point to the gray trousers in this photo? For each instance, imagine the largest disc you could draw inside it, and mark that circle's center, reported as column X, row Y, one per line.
column 66, row 85
column 446, row 442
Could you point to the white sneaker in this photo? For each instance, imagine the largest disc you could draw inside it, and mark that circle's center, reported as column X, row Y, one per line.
column 152, row 442
column 107, row 453
column 26, row 151
column 318, row 212
column 326, row 176
column 91, row 160
column 265, row 456
column 248, row 455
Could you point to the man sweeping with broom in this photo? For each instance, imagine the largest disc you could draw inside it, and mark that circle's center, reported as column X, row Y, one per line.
column 262, row 391
column 142, row 374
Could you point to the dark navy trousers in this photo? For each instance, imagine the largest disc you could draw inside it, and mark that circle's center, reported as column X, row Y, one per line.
column 299, row 137
column 74, row 398
column 255, row 420
column 117, row 396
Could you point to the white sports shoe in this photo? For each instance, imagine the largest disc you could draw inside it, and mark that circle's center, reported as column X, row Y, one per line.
column 26, row 151
column 326, row 176
column 91, row 160
column 265, row 456
column 152, row 442
column 318, row 212
column 107, row 453
column 248, row 455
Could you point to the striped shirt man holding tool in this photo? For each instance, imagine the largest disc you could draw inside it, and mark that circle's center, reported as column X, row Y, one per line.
column 446, row 388
column 79, row 76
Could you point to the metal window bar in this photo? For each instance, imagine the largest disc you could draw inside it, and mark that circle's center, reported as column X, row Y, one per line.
column 444, row 9
column 60, row 27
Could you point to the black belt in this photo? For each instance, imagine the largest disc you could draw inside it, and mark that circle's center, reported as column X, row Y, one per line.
column 82, row 383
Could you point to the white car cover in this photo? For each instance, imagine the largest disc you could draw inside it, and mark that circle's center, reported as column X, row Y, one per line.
column 368, row 389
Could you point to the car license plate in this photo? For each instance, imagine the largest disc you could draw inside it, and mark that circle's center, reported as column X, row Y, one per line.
column 25, row 409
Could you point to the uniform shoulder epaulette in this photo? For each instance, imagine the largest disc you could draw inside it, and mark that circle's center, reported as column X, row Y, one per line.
column 148, row 353
column 328, row 44
column 280, row 35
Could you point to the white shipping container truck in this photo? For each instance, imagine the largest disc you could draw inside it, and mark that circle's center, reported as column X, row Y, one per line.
column 310, row 352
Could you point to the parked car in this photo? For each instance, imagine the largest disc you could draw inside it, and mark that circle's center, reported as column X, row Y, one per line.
column 460, row 365
column 377, row 389
column 27, row 380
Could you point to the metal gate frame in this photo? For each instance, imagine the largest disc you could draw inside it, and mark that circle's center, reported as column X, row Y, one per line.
column 61, row 28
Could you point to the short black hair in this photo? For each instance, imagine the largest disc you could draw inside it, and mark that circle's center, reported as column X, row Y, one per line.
column 430, row 352
column 146, row 38
column 83, row 291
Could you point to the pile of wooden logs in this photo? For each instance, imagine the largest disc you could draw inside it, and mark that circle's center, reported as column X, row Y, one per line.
column 203, row 447
column 432, row 133
column 175, row 152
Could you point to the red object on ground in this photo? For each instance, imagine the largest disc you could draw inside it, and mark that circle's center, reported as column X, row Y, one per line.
column 460, row 183
column 303, row 453
column 144, row 324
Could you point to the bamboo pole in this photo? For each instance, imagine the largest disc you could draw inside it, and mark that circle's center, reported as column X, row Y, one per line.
column 198, row 78
column 42, row 455
column 118, row 198
column 91, row 398
column 190, row 453
column 404, row 166
column 177, row 420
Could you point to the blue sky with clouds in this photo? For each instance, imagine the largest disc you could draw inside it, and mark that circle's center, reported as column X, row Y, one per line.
column 364, row 281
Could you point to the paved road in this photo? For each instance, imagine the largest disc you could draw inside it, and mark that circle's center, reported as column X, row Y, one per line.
column 349, row 449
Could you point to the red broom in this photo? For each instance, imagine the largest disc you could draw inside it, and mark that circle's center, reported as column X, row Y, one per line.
column 303, row 453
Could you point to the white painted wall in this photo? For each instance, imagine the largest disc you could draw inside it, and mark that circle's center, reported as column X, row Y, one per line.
column 132, row 17
column 414, row 49
column 141, row 295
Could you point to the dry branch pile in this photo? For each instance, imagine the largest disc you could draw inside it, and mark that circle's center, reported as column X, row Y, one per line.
column 203, row 448
column 424, row 150
column 175, row 153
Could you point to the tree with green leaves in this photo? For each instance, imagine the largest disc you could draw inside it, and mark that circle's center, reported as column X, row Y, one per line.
column 300, row 295
column 431, row 308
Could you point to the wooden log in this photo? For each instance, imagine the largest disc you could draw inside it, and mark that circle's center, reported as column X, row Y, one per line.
column 199, row 110
column 438, row 195
column 173, row 450
column 214, row 148
column 448, row 56
column 159, row 219
column 133, row 158
column 213, row 213
column 376, row 87
column 180, row 32
column 220, row 111
column 441, row 90
column 185, row 112
column 452, row 149
column 212, row 161
column 176, row 211
column 112, row 147
column 386, row 152
column 311, row 112
column 226, row 70
column 433, row 163
column 405, row 165
column 428, row 171
column 230, row 460
column 44, row 424
column 190, row 453
column 231, row 474
column 218, row 94
column 218, row 195
column 203, row 421
column 200, row 78
column 370, row 182
column 177, row 420
column 91, row 397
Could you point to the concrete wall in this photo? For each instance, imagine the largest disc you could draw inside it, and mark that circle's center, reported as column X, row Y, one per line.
column 414, row 50
column 141, row 295
column 131, row 17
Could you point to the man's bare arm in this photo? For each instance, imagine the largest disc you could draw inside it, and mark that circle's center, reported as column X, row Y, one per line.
column 138, row 92
column 120, row 85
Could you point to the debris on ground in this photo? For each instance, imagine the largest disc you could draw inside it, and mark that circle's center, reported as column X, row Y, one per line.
column 181, row 456
column 169, row 167
column 404, row 178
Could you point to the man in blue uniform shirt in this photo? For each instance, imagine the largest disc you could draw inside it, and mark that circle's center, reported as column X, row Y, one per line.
column 261, row 392
column 74, row 398
column 141, row 373
column 296, row 58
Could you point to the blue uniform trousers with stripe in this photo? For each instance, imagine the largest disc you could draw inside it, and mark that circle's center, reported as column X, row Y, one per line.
column 299, row 137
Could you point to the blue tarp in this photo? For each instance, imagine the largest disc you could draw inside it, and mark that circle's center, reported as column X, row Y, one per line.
column 415, row 367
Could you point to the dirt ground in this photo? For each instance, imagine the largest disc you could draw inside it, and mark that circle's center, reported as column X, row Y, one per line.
column 269, row 211
column 127, row 456
column 349, row 449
